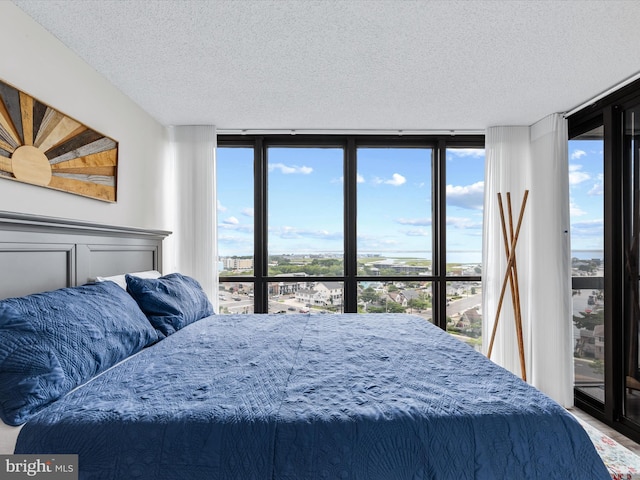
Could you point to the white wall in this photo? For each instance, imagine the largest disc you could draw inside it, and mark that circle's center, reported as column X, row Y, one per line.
column 35, row 62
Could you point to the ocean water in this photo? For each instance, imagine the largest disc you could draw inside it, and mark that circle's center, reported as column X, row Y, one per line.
column 587, row 254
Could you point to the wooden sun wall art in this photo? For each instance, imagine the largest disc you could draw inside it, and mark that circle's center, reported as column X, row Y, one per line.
column 41, row 146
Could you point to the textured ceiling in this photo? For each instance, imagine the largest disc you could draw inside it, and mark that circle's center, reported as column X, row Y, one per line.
column 351, row 64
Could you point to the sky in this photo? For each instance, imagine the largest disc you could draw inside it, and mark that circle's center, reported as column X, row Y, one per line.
column 586, row 195
column 394, row 201
column 393, row 195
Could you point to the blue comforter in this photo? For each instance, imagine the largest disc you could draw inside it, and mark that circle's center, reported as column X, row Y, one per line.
column 312, row 397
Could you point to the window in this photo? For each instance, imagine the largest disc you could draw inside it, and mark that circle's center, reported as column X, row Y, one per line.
column 586, row 189
column 631, row 229
column 234, row 172
column 464, row 210
column 394, row 211
column 605, row 166
column 305, row 211
column 394, row 229
column 352, row 224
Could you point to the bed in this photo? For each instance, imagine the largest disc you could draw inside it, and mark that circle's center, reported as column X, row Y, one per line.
column 152, row 385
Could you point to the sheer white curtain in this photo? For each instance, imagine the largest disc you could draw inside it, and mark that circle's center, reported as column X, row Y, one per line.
column 193, row 242
column 507, row 160
column 533, row 158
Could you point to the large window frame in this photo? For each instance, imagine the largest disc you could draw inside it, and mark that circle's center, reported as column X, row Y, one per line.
column 590, row 284
column 608, row 112
column 438, row 144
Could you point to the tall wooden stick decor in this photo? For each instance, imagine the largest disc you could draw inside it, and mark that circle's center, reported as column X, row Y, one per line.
column 511, row 275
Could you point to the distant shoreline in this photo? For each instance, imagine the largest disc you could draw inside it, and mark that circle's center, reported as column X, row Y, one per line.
column 453, row 257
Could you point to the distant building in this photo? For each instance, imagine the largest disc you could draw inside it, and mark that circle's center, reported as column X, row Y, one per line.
column 410, row 295
column 456, row 288
column 598, row 342
column 321, row 294
column 396, row 297
column 471, row 317
column 286, row 288
column 235, row 263
column 398, row 268
column 591, row 343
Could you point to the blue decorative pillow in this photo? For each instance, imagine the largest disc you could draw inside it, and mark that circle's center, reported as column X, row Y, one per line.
column 52, row 342
column 170, row 302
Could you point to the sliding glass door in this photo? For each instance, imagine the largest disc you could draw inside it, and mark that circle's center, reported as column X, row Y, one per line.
column 586, row 164
column 606, row 288
column 631, row 228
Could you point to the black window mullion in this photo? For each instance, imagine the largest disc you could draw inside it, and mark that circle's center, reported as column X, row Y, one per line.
column 439, row 236
column 350, row 228
column 261, row 294
column 614, row 259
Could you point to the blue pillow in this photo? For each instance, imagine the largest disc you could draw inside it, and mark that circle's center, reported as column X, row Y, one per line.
column 170, row 302
column 54, row 341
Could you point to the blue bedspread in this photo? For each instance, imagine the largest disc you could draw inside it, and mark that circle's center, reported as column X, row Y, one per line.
column 312, row 397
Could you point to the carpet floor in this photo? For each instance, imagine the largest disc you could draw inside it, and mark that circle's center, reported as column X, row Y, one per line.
column 621, row 462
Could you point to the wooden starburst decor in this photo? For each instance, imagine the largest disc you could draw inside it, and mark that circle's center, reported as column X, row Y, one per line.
column 41, row 146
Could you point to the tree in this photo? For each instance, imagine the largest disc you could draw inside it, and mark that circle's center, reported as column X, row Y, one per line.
column 419, row 303
column 598, row 367
column 369, row 295
column 393, row 307
column 589, row 320
column 374, row 309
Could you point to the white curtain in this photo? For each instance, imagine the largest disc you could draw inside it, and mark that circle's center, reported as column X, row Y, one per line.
column 531, row 158
column 193, row 242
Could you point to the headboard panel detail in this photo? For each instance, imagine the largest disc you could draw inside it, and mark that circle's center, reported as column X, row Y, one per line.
column 44, row 253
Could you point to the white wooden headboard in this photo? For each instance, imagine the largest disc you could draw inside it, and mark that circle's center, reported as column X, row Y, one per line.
column 44, row 253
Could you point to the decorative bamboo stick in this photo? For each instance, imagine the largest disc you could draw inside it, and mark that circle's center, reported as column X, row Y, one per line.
column 511, row 276
column 513, row 273
column 515, row 293
column 508, row 240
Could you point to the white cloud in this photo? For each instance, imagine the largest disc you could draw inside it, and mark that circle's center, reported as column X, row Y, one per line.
column 387, row 242
column 231, row 221
column 575, row 210
column 420, row 232
column 466, row 196
column 576, row 175
column 360, row 178
column 466, row 152
column 576, row 154
column 396, row 180
column 598, row 187
column 417, row 222
column 463, row 223
column 290, row 169
column 220, row 207
column 289, row 232
column 247, row 212
column 588, row 228
column 368, row 243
